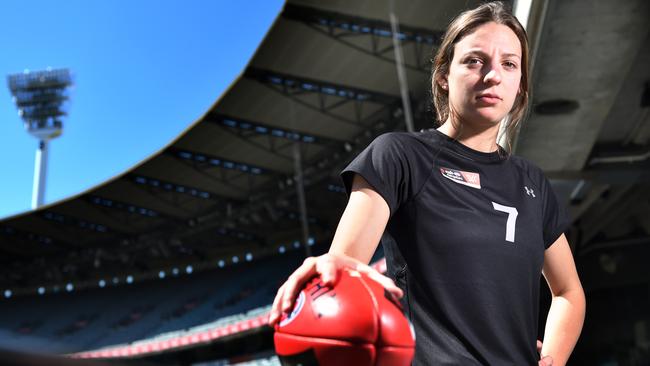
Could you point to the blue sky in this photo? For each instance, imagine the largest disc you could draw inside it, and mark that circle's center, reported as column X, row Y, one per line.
column 144, row 71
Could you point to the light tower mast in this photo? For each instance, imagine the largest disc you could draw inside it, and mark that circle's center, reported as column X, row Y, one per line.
column 39, row 97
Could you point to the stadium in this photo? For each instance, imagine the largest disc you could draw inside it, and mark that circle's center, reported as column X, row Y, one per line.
column 177, row 260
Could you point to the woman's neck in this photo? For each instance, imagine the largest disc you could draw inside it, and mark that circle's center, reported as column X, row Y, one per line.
column 479, row 139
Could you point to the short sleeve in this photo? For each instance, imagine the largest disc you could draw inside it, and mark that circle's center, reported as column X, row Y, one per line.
column 389, row 164
column 555, row 215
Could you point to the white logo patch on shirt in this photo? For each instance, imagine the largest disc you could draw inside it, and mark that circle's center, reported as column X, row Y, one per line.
column 465, row 178
column 529, row 191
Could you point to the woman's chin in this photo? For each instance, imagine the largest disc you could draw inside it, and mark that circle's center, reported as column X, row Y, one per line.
column 486, row 119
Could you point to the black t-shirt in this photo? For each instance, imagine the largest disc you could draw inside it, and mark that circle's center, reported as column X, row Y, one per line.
column 465, row 241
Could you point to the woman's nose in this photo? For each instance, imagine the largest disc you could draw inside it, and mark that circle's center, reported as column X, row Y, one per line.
column 492, row 77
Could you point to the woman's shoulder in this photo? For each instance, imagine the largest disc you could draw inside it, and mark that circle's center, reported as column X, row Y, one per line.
column 534, row 172
column 407, row 140
column 397, row 136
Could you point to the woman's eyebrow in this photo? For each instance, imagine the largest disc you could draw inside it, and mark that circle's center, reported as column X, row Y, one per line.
column 476, row 52
column 481, row 53
column 511, row 55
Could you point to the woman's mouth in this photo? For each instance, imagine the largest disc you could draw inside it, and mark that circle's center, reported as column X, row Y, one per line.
column 488, row 98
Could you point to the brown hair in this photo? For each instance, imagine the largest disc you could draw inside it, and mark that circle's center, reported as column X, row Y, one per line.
column 461, row 26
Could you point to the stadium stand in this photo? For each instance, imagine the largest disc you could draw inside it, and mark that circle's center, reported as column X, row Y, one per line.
column 149, row 310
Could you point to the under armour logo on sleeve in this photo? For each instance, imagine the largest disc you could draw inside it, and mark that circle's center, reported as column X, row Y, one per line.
column 529, row 191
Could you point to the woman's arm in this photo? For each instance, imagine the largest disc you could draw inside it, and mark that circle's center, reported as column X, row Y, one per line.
column 355, row 241
column 362, row 222
column 567, row 313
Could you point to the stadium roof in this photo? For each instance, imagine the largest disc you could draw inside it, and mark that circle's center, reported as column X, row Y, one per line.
column 324, row 82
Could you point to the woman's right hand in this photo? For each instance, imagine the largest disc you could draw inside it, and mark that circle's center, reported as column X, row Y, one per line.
column 327, row 266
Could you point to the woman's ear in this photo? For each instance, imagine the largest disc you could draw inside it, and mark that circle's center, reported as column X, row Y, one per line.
column 442, row 81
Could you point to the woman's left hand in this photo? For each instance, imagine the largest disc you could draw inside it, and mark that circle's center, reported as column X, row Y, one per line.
column 546, row 360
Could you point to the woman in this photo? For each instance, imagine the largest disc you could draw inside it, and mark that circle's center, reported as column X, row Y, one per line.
column 468, row 228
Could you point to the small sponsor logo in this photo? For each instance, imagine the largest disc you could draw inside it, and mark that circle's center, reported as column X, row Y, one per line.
column 465, row 178
column 529, row 191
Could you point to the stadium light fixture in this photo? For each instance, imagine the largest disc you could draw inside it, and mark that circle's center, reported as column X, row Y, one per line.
column 282, row 249
column 175, row 271
column 235, row 259
column 129, row 279
column 8, row 293
column 101, row 283
column 227, row 164
column 161, row 274
column 97, row 200
column 171, row 187
column 39, row 97
column 221, row 263
column 69, row 287
column 189, row 269
column 249, row 257
column 41, row 290
column 261, row 129
column 116, row 280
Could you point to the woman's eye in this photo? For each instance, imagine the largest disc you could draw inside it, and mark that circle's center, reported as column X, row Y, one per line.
column 510, row 65
column 473, row 61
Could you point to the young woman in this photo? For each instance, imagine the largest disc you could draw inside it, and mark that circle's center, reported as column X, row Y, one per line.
column 468, row 227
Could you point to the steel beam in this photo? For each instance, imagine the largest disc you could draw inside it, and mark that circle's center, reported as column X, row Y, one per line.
column 330, row 95
column 61, row 219
column 317, row 169
column 229, row 170
column 122, row 206
column 22, row 235
column 343, row 27
column 254, row 128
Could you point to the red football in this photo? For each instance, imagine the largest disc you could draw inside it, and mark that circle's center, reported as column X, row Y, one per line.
column 356, row 322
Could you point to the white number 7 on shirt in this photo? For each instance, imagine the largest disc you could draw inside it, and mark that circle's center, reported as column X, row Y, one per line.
column 512, row 220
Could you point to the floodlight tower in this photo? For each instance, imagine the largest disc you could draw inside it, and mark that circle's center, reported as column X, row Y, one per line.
column 39, row 97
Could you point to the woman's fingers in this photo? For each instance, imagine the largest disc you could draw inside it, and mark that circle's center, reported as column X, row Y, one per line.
column 284, row 297
column 383, row 280
column 294, row 283
column 327, row 267
column 275, row 308
column 387, row 283
column 546, row 361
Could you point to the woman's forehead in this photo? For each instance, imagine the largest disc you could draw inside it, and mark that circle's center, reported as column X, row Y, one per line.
column 489, row 36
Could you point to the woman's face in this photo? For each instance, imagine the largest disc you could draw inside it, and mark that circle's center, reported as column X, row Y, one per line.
column 485, row 74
